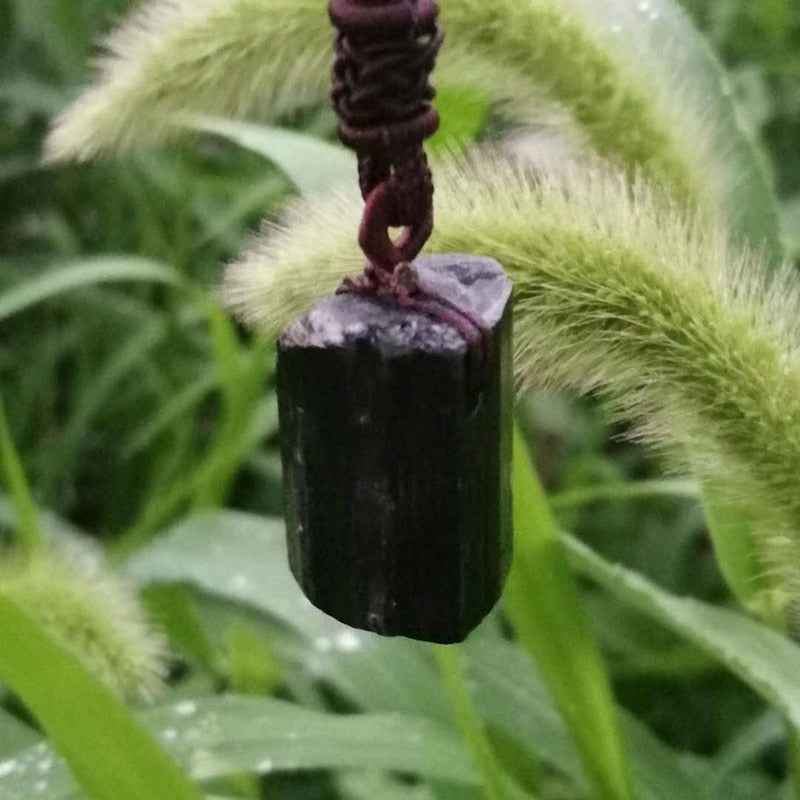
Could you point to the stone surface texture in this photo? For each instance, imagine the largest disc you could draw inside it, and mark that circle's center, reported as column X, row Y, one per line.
column 396, row 445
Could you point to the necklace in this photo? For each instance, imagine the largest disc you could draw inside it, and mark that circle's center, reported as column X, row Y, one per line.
column 395, row 394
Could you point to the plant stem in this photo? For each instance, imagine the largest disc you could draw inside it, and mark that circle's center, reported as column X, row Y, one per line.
column 545, row 609
column 478, row 744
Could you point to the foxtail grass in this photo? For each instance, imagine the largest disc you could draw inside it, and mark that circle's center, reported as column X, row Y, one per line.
column 267, row 58
column 93, row 613
column 620, row 293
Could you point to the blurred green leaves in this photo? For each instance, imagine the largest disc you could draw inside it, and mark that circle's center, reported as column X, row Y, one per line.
column 109, row 753
column 241, row 559
column 230, row 735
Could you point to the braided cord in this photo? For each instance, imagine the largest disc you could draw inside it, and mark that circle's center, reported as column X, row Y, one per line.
column 382, row 93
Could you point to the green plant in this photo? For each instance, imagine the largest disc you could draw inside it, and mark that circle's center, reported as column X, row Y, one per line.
column 642, row 235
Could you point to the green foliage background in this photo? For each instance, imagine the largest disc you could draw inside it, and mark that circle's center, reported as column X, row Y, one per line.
column 758, row 43
column 134, row 404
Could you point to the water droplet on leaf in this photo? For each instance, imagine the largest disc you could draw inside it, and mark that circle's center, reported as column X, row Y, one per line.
column 186, row 709
column 348, row 642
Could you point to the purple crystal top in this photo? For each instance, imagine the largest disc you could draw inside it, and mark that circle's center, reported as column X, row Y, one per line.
column 476, row 286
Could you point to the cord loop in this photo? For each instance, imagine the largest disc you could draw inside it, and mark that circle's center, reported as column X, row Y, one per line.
column 385, row 53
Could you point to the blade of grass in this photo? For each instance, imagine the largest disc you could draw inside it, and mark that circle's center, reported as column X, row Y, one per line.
column 247, row 427
column 624, row 490
column 761, row 657
column 129, row 357
column 172, row 607
column 225, row 736
column 749, row 744
column 766, row 661
column 312, row 165
column 12, row 169
column 181, row 404
column 793, row 758
column 735, row 550
column 15, row 735
column 208, row 484
column 28, row 531
column 32, row 96
column 105, row 269
column 52, row 526
column 464, row 112
column 252, row 666
column 225, row 229
column 107, row 750
column 480, row 749
column 242, row 372
column 509, row 694
column 545, row 609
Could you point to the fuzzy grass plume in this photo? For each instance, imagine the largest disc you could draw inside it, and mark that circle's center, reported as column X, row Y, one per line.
column 618, row 293
column 196, row 56
column 270, row 57
column 93, row 613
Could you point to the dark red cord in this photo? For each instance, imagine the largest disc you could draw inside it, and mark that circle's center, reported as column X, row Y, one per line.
column 385, row 53
column 382, row 93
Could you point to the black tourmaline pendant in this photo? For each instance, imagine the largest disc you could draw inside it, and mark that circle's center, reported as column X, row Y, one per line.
column 396, row 452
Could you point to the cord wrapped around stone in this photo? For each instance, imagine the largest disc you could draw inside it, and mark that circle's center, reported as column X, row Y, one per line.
column 385, row 53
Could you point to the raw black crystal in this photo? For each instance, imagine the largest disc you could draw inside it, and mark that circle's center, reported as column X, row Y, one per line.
column 396, row 443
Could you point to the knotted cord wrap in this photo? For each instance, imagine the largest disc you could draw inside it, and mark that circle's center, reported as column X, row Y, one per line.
column 385, row 53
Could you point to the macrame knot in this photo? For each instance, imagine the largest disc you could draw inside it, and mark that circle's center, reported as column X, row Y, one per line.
column 385, row 53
